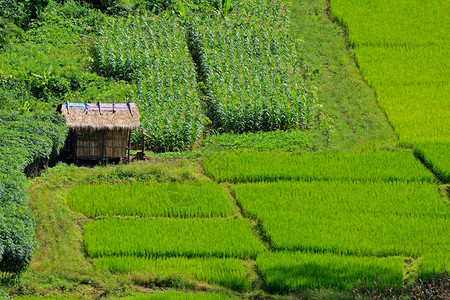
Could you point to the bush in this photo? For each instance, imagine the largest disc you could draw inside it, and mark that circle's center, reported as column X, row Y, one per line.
column 24, row 140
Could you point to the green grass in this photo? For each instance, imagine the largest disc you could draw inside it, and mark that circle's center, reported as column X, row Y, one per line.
column 46, row 298
column 350, row 105
column 171, row 237
column 158, row 200
column 269, row 166
column 359, row 218
column 437, row 157
column 291, row 271
column 227, row 272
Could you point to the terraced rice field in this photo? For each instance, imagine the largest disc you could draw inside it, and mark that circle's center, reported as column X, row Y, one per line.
column 402, row 49
column 147, row 200
column 361, row 216
column 227, row 272
column 258, row 223
column 269, row 166
column 171, row 237
column 290, row 271
column 380, row 219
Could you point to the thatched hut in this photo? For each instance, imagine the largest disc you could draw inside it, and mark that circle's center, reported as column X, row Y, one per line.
column 100, row 131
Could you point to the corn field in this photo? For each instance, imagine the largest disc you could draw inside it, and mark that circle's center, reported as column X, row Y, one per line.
column 151, row 200
column 153, row 52
column 252, row 76
column 269, row 166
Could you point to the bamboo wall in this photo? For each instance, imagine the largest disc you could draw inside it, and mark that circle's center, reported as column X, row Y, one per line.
column 101, row 144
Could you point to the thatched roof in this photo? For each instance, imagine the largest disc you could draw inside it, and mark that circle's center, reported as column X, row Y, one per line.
column 100, row 116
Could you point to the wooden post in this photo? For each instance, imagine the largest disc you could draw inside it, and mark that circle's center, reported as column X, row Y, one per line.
column 103, row 146
column 129, row 144
column 100, row 107
column 143, row 140
column 129, row 107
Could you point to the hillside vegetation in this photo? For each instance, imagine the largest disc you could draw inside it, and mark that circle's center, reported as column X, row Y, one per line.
column 294, row 150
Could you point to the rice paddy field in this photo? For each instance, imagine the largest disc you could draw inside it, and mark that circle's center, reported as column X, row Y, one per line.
column 269, row 166
column 149, row 200
column 171, row 237
column 290, row 271
column 402, row 49
column 343, row 227
column 227, row 272
column 379, row 219
column 198, row 223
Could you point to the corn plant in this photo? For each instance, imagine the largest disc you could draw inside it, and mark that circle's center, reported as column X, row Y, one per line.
column 251, row 71
column 153, row 52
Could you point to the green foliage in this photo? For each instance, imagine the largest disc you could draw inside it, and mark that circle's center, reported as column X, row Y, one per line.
column 19, row 99
column 269, row 166
column 250, row 69
column 9, row 32
column 16, row 237
column 227, row 272
column 180, row 296
column 362, row 218
column 153, row 50
column 50, row 62
column 66, row 23
column 160, row 200
column 3, row 295
column 437, row 157
column 355, row 119
column 171, row 237
column 24, row 141
column 32, row 74
column 433, row 264
column 189, row 6
column 21, row 11
column 290, row 271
